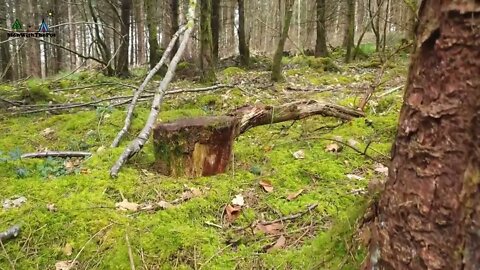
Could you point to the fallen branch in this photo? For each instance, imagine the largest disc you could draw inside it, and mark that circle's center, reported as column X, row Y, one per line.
column 388, row 92
column 139, row 91
column 56, row 154
column 137, row 144
column 13, row 103
column 311, row 89
column 9, row 234
column 252, row 116
column 310, row 208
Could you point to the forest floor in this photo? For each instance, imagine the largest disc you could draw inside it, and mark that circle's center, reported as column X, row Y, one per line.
column 68, row 208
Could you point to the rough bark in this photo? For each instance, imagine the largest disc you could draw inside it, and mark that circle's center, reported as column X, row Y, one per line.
column 122, row 65
column 207, row 64
column 321, row 43
column 174, row 8
column 203, row 146
column 277, row 58
column 58, row 59
column 429, row 215
column 33, row 46
column 140, row 18
column 243, row 46
column 5, row 58
column 72, row 35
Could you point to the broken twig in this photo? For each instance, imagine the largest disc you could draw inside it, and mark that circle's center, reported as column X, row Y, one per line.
column 56, row 154
column 291, row 217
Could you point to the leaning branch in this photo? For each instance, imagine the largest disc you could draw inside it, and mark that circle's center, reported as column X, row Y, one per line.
column 72, row 51
column 137, row 144
column 139, row 91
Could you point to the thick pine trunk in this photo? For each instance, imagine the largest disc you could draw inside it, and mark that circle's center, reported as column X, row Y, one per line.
column 321, row 43
column 206, row 47
column 5, row 58
column 243, row 46
column 277, row 58
column 152, row 33
column 429, row 214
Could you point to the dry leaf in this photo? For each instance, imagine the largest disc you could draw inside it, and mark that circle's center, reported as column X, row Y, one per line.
column 266, row 185
column 52, row 207
column 65, row 265
column 47, row 132
column 333, row 148
column 281, row 241
column 68, row 249
column 164, row 205
column 354, row 177
column 101, row 149
column 127, row 206
column 238, row 200
column 293, row 196
column 380, row 168
column 299, row 154
column 232, row 213
column 273, row 228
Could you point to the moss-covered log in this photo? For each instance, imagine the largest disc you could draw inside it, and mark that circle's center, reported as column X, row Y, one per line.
column 203, row 146
column 194, row 147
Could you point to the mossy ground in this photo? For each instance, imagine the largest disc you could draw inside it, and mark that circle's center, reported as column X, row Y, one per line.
column 179, row 238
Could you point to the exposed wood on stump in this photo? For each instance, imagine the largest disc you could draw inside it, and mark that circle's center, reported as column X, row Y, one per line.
column 194, row 147
column 203, row 146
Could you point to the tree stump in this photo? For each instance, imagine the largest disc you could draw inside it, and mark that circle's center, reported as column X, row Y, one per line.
column 194, row 147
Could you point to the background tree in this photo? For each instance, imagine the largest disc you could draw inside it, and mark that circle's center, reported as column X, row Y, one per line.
column 122, row 65
column 243, row 46
column 428, row 215
column 206, row 44
column 6, row 72
column 350, row 30
column 321, row 41
column 277, row 58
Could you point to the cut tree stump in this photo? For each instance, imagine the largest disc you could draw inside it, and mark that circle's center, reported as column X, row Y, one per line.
column 202, row 146
column 194, row 147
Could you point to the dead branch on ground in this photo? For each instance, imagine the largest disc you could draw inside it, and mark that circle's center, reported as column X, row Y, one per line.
column 63, row 154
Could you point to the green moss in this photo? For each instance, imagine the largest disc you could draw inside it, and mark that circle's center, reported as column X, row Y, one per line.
column 36, row 91
column 233, row 71
column 329, row 79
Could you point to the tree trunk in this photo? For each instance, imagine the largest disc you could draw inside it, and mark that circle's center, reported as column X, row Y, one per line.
column 206, row 47
column 174, row 8
column 140, row 31
column 33, row 46
column 203, row 146
column 5, row 58
column 412, row 20
column 154, row 51
column 72, row 35
column 215, row 28
column 243, row 46
column 122, row 66
column 350, row 30
column 321, row 44
column 277, row 58
column 429, row 214
column 58, row 59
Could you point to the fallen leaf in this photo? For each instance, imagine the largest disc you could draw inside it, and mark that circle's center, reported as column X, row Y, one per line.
column 273, row 228
column 293, row 196
column 52, row 207
column 196, row 192
column 232, row 212
column 333, row 148
column 65, row 265
column 47, row 132
column 13, row 203
column 238, row 200
column 266, row 185
column 125, row 205
column 68, row 249
column 354, row 177
column 101, row 149
column 281, row 241
column 164, row 205
column 300, row 154
column 380, row 168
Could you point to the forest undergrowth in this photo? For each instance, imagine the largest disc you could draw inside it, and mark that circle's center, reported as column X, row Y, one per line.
column 302, row 185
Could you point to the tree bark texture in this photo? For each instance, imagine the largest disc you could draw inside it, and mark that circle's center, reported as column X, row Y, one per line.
column 277, row 58
column 122, row 65
column 150, row 6
column 243, row 46
column 321, row 43
column 429, row 214
column 5, row 57
column 207, row 65
column 350, row 30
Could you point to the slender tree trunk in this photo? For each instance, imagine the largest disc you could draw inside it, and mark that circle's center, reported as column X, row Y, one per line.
column 58, row 60
column 412, row 20
column 277, row 58
column 34, row 63
column 174, row 8
column 243, row 46
column 5, row 58
column 122, row 67
column 350, row 33
column 72, row 35
column 206, row 47
column 150, row 6
column 428, row 217
column 216, row 28
column 140, row 31
column 321, row 44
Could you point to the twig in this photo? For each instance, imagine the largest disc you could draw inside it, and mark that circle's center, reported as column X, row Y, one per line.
column 363, row 153
column 86, row 243
column 215, row 255
column 291, row 217
column 390, row 91
column 56, row 154
column 130, row 255
column 13, row 103
column 213, row 225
